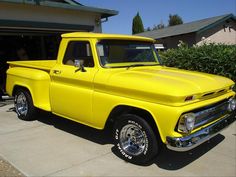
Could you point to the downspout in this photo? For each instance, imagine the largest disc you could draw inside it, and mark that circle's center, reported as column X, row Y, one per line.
column 103, row 21
column 98, row 22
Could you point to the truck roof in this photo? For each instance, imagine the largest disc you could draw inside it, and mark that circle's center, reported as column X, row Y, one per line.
column 105, row 36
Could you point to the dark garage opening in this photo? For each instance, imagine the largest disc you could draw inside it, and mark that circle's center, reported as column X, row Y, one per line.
column 26, row 46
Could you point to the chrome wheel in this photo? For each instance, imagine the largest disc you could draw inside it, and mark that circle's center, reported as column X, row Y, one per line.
column 133, row 140
column 21, row 104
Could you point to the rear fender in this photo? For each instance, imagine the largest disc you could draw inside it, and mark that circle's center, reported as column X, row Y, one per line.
column 36, row 81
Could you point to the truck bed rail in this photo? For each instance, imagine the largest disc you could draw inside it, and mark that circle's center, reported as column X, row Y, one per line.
column 41, row 64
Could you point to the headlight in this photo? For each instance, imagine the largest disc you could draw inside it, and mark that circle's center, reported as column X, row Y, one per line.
column 232, row 104
column 186, row 122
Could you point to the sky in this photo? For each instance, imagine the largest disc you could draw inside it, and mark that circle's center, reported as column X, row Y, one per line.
column 156, row 11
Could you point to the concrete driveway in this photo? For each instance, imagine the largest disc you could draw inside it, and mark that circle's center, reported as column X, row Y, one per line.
column 52, row 146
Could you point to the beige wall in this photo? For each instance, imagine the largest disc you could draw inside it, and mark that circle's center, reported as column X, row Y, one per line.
column 36, row 13
column 219, row 34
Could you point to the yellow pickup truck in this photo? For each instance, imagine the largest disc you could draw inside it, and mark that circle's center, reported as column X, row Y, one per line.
column 118, row 81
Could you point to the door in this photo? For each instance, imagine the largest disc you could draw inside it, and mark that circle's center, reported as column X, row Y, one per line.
column 72, row 89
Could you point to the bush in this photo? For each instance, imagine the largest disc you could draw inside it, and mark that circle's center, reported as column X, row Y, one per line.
column 212, row 58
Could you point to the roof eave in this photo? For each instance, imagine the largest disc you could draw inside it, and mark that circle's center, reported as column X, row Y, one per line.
column 230, row 16
column 73, row 2
column 104, row 12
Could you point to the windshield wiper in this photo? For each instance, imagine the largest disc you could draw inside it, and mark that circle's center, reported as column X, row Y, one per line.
column 136, row 65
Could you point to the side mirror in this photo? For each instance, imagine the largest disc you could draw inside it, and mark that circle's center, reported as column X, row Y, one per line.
column 79, row 64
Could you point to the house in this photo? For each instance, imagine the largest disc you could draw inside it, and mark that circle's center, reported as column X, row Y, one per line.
column 220, row 29
column 38, row 24
column 31, row 29
column 50, row 16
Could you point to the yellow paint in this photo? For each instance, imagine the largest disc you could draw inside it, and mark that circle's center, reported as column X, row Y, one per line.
column 36, row 81
column 99, row 36
column 89, row 97
column 42, row 64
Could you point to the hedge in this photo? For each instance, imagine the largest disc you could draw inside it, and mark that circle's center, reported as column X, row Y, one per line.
column 212, row 58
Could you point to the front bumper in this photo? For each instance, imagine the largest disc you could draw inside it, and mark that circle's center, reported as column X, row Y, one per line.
column 191, row 141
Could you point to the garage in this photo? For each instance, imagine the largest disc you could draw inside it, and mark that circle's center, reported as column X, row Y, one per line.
column 31, row 29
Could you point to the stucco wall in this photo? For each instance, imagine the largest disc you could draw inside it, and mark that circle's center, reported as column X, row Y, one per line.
column 37, row 13
column 219, row 34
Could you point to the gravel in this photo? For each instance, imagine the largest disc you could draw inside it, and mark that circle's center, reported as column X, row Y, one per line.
column 7, row 170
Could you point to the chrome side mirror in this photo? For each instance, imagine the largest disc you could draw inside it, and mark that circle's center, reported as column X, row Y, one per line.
column 79, row 64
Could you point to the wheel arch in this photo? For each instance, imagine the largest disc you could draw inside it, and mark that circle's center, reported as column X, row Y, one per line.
column 126, row 109
column 37, row 101
column 21, row 87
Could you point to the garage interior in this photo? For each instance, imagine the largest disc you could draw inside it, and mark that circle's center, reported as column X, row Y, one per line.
column 25, row 46
column 37, row 36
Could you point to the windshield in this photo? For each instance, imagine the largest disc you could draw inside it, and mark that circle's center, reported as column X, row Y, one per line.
column 120, row 53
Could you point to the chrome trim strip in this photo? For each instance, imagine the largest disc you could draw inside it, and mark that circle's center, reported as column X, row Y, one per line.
column 193, row 140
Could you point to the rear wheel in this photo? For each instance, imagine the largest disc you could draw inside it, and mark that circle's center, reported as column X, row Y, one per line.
column 24, row 105
column 134, row 139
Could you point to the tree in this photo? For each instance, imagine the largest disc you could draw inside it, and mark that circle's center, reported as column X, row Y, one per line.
column 175, row 20
column 156, row 27
column 137, row 24
column 159, row 26
column 148, row 29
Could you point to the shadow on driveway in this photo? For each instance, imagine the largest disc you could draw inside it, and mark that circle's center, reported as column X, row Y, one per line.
column 98, row 136
column 167, row 159
column 171, row 160
column 5, row 102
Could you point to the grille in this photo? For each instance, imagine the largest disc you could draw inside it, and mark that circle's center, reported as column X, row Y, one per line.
column 214, row 94
column 211, row 113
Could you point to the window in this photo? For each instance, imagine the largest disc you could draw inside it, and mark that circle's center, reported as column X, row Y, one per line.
column 79, row 50
column 115, row 53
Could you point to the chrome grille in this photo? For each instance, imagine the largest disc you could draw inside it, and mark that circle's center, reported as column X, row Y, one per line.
column 215, row 93
column 211, row 113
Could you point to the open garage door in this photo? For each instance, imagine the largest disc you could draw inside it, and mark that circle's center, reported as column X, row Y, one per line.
column 27, row 45
column 30, row 41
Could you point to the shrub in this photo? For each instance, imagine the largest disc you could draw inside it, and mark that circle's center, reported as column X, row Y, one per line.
column 212, row 58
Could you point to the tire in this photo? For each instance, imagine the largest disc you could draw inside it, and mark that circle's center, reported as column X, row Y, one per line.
column 134, row 139
column 24, row 105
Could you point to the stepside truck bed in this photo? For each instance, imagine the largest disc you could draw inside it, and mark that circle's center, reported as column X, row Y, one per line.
column 34, row 76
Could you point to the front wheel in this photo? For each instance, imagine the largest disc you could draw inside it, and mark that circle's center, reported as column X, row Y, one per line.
column 134, row 139
column 24, row 105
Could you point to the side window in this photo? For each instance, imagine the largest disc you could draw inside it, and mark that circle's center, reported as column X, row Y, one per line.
column 78, row 50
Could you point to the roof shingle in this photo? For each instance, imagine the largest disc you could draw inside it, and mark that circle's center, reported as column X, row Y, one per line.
column 185, row 28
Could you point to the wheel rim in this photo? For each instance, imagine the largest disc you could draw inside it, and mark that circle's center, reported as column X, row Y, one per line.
column 132, row 139
column 21, row 104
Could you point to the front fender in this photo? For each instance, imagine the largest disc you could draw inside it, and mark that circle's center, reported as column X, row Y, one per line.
column 165, row 117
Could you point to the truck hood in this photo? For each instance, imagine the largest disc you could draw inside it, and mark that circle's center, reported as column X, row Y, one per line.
column 166, row 85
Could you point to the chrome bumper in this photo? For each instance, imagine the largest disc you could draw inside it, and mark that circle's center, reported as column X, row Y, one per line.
column 191, row 141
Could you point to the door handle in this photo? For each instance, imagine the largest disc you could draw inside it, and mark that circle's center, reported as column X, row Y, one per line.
column 56, row 72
